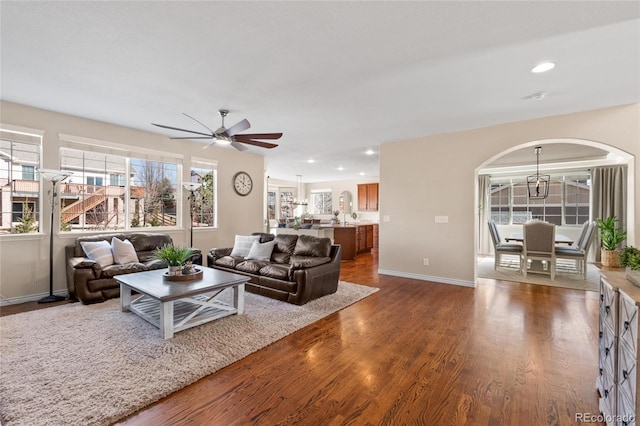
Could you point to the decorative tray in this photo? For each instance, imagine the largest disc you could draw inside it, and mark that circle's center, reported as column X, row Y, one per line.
column 186, row 277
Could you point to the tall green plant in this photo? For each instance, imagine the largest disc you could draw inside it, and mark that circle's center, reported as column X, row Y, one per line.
column 610, row 234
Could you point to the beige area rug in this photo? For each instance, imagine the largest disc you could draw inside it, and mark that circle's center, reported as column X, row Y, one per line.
column 93, row 365
column 566, row 275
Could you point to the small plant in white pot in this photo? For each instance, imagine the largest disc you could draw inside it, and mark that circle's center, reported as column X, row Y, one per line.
column 174, row 256
column 610, row 236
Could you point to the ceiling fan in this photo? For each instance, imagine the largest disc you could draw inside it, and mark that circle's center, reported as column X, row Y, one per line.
column 228, row 136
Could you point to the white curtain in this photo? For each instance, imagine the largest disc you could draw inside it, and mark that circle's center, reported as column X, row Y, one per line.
column 484, row 214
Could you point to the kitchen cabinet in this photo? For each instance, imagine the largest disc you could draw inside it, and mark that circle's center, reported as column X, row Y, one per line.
column 368, row 197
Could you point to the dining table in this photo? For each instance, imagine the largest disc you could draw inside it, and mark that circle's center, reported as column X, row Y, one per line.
column 518, row 237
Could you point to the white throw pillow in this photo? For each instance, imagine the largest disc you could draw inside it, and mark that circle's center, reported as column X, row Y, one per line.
column 261, row 251
column 98, row 251
column 242, row 245
column 123, row 251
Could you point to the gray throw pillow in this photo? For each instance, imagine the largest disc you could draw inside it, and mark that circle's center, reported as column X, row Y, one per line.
column 242, row 245
column 260, row 251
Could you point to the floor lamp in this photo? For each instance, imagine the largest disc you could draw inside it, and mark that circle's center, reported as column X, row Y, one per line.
column 191, row 187
column 53, row 176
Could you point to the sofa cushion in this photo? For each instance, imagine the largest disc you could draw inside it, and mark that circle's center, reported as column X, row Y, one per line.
column 229, row 261
column 274, row 270
column 282, row 251
column 264, row 236
column 148, row 242
column 261, row 251
column 242, row 245
column 123, row 251
column 308, row 245
column 302, row 262
column 154, row 263
column 100, row 251
column 251, row 266
column 113, row 270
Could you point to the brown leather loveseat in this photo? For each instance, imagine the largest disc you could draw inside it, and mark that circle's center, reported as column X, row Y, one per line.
column 89, row 282
column 301, row 268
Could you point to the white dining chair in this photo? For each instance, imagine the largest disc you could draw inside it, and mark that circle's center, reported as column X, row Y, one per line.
column 500, row 248
column 538, row 247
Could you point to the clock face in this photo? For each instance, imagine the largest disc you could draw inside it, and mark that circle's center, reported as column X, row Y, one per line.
column 242, row 183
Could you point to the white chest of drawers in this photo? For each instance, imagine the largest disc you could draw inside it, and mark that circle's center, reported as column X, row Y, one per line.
column 618, row 361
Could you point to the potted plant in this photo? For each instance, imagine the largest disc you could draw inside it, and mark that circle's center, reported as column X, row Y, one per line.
column 610, row 236
column 630, row 259
column 175, row 256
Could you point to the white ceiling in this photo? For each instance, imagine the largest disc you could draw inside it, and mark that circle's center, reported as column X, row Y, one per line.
column 337, row 78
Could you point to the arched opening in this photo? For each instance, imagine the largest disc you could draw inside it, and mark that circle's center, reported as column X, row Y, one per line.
column 562, row 157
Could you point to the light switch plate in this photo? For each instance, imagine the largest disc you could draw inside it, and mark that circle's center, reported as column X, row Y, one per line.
column 442, row 219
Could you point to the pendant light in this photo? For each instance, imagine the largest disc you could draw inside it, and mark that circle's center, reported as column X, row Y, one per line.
column 538, row 185
column 298, row 201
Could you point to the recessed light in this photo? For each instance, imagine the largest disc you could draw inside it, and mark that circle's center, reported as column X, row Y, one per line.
column 361, row 173
column 370, row 152
column 311, row 160
column 543, row 67
column 341, row 168
column 537, row 96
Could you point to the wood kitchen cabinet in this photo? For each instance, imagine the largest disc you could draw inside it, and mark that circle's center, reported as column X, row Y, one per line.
column 368, row 197
column 355, row 239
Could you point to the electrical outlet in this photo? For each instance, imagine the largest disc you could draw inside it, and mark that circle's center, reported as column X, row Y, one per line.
column 425, row 261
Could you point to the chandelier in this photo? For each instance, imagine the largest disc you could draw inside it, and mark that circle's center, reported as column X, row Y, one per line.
column 538, row 185
column 299, row 201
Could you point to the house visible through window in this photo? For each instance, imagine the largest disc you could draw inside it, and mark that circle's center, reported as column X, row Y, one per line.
column 108, row 191
column 19, row 183
column 567, row 203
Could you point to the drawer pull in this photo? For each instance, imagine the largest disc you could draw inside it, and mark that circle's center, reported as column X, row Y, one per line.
column 606, row 351
column 601, row 334
column 607, row 309
column 626, row 325
column 625, row 374
column 601, row 297
column 606, row 393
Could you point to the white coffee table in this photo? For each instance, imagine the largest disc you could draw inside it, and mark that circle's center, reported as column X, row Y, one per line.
column 174, row 306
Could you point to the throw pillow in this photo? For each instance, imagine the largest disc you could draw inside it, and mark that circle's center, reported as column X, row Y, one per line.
column 123, row 251
column 242, row 245
column 99, row 251
column 260, row 251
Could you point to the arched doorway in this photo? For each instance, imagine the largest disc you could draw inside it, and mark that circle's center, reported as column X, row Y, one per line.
column 560, row 156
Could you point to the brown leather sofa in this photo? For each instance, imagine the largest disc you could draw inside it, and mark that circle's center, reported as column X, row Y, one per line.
column 88, row 282
column 301, row 268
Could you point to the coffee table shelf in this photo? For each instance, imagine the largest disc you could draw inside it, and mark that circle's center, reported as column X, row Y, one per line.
column 176, row 306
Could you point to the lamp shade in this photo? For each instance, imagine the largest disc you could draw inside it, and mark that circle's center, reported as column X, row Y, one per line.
column 191, row 186
column 53, row 175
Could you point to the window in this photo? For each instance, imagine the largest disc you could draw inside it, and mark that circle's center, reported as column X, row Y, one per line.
column 205, row 198
column 271, row 205
column 567, row 203
column 286, row 206
column 19, row 189
column 156, row 184
column 116, row 192
column 321, row 202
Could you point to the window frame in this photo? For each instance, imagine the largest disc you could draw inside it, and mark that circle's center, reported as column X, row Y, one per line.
column 211, row 166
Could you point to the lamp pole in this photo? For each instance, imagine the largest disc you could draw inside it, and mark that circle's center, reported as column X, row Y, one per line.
column 53, row 176
column 191, row 187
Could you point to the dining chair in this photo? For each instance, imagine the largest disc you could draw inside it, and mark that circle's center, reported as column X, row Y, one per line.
column 538, row 246
column 580, row 252
column 501, row 248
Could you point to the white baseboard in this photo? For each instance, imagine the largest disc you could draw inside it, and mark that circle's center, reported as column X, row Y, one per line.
column 426, row 278
column 30, row 298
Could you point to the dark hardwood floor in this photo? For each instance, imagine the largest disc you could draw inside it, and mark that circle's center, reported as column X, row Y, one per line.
column 414, row 353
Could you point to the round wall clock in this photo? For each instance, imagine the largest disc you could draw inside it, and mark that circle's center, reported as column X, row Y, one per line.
column 242, row 183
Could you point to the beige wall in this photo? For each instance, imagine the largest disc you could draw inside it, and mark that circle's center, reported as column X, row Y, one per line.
column 435, row 176
column 24, row 264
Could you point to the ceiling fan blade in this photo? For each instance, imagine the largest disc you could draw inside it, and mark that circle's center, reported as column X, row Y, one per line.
column 213, row 142
column 259, row 136
column 258, row 143
column 239, row 146
column 195, row 137
column 199, row 122
column 181, row 130
column 238, row 127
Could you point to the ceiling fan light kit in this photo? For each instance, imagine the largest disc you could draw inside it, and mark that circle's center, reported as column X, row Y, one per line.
column 230, row 136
